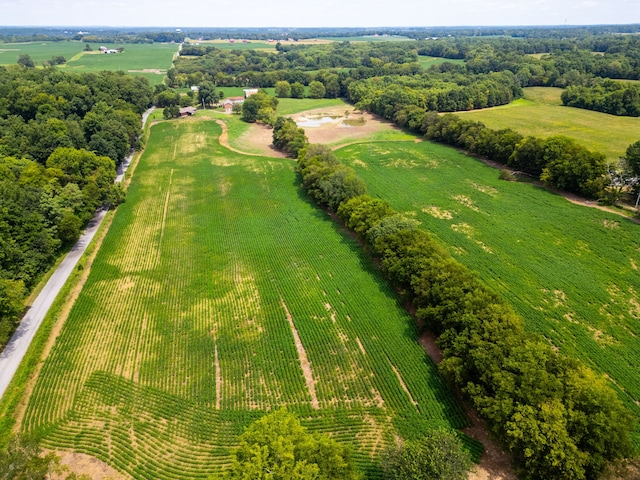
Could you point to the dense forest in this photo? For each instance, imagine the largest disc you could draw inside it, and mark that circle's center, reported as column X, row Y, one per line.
column 61, row 136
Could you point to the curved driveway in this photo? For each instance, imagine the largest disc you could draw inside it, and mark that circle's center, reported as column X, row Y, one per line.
column 16, row 349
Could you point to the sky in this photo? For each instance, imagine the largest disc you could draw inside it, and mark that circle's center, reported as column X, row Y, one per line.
column 316, row 13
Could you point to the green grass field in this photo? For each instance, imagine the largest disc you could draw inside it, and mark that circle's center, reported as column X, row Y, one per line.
column 570, row 271
column 427, row 61
column 220, row 292
column 134, row 59
column 541, row 113
column 38, row 51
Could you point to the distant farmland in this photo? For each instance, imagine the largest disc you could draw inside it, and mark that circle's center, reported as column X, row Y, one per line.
column 541, row 113
column 135, row 59
column 571, row 271
column 221, row 293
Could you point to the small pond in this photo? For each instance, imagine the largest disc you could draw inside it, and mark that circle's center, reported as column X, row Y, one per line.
column 315, row 121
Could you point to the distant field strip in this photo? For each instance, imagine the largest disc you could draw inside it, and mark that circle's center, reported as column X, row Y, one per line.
column 570, row 271
column 219, row 294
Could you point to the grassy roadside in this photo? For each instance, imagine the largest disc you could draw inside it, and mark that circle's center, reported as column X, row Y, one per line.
column 15, row 392
column 14, row 395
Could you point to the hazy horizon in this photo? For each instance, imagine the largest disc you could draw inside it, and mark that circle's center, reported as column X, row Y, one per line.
column 325, row 14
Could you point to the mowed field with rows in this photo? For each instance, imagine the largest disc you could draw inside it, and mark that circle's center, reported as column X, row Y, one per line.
column 220, row 293
column 571, row 271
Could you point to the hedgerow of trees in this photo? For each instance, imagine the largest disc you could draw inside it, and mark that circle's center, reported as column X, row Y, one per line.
column 61, row 136
column 557, row 417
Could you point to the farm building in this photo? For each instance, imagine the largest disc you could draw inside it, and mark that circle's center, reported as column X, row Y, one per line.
column 187, row 111
column 250, row 91
column 229, row 102
column 108, row 50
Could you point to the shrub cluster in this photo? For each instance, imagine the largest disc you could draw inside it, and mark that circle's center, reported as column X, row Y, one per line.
column 278, row 447
column 559, row 419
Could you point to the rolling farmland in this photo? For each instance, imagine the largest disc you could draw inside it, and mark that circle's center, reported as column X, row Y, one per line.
column 221, row 293
column 541, row 113
column 570, row 271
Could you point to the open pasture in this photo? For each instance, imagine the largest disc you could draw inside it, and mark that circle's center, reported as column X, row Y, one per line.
column 149, row 60
column 426, row 61
column 541, row 113
column 38, row 51
column 570, row 271
column 220, row 293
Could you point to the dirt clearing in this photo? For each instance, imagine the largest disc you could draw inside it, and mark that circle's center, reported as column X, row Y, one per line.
column 336, row 126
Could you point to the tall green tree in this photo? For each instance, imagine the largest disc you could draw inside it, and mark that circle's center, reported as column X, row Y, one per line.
column 317, row 89
column 297, row 90
column 277, row 447
column 283, row 89
column 440, row 456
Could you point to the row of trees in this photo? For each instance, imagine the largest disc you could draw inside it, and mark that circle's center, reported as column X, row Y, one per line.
column 42, row 211
column 558, row 161
column 442, row 92
column 559, row 419
column 61, row 136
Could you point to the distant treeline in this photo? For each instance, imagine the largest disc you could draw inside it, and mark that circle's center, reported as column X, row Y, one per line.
column 61, row 135
column 616, row 98
column 555, row 32
column 557, row 417
column 104, row 35
column 137, row 34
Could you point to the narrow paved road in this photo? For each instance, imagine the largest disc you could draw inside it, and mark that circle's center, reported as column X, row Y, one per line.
column 16, row 349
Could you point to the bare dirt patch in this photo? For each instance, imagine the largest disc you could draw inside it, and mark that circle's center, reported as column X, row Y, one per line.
column 82, row 464
column 466, row 201
column 402, row 384
column 428, row 342
column 149, row 70
column 438, row 212
column 304, row 360
column 259, row 138
column 345, row 129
